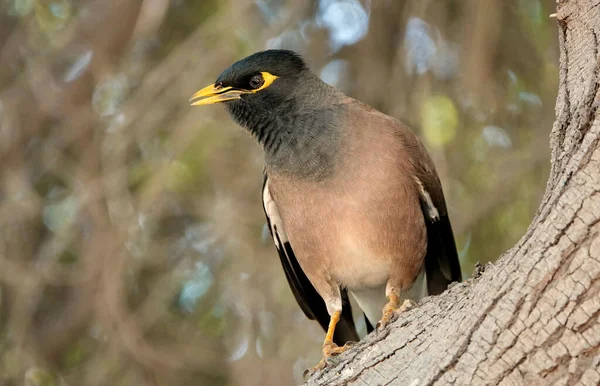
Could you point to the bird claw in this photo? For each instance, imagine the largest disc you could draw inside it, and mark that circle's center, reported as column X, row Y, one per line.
column 330, row 350
column 385, row 320
column 390, row 313
column 320, row 366
column 335, row 351
column 406, row 305
column 350, row 344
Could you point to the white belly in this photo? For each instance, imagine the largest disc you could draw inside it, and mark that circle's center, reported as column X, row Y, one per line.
column 372, row 300
column 359, row 267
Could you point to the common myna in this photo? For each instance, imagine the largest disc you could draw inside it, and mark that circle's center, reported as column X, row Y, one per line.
column 352, row 198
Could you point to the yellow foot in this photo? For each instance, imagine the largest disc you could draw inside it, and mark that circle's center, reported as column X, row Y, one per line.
column 407, row 305
column 391, row 309
column 330, row 350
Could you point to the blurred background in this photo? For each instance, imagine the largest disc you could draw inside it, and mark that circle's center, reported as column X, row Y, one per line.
column 132, row 242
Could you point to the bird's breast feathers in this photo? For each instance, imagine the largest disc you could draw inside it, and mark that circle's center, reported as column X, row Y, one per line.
column 353, row 233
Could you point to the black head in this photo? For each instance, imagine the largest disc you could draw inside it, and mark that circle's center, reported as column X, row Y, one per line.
column 276, row 97
column 264, row 80
column 242, row 74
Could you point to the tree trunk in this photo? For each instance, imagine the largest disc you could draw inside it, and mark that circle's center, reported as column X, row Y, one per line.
column 534, row 316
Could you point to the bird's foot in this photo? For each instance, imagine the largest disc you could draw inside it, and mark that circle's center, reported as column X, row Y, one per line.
column 330, row 350
column 388, row 311
column 407, row 305
column 391, row 310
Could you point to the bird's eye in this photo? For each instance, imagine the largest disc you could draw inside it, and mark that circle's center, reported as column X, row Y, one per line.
column 256, row 81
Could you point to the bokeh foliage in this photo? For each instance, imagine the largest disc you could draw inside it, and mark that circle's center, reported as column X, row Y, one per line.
column 132, row 241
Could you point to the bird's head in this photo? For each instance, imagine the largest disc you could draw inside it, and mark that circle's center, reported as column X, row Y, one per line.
column 263, row 80
column 274, row 95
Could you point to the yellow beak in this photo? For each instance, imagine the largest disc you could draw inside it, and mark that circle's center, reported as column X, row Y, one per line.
column 212, row 94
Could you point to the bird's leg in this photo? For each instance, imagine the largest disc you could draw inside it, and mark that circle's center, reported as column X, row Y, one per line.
column 330, row 349
column 388, row 310
column 393, row 307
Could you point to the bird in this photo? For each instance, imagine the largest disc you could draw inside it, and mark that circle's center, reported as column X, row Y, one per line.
column 351, row 196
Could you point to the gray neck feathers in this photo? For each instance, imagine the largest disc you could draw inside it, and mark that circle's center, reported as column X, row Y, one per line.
column 300, row 135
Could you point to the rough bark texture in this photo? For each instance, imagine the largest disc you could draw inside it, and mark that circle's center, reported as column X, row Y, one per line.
column 534, row 316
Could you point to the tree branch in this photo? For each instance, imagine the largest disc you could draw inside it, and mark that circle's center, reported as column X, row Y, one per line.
column 534, row 317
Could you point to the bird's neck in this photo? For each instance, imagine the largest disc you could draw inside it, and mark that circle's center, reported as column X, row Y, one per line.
column 299, row 140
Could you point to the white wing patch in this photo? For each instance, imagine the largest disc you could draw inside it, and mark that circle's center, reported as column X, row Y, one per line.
column 432, row 211
column 274, row 217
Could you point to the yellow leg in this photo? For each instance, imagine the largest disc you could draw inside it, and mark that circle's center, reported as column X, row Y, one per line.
column 393, row 306
column 388, row 310
column 330, row 349
column 333, row 321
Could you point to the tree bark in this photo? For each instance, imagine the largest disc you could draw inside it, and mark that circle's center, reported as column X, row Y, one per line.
column 534, row 316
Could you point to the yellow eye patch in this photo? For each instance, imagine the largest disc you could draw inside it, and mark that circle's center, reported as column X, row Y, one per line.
column 269, row 79
column 216, row 93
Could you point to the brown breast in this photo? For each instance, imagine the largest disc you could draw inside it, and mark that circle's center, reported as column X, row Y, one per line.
column 363, row 224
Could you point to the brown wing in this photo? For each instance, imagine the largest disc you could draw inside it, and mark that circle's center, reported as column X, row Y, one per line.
column 306, row 295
